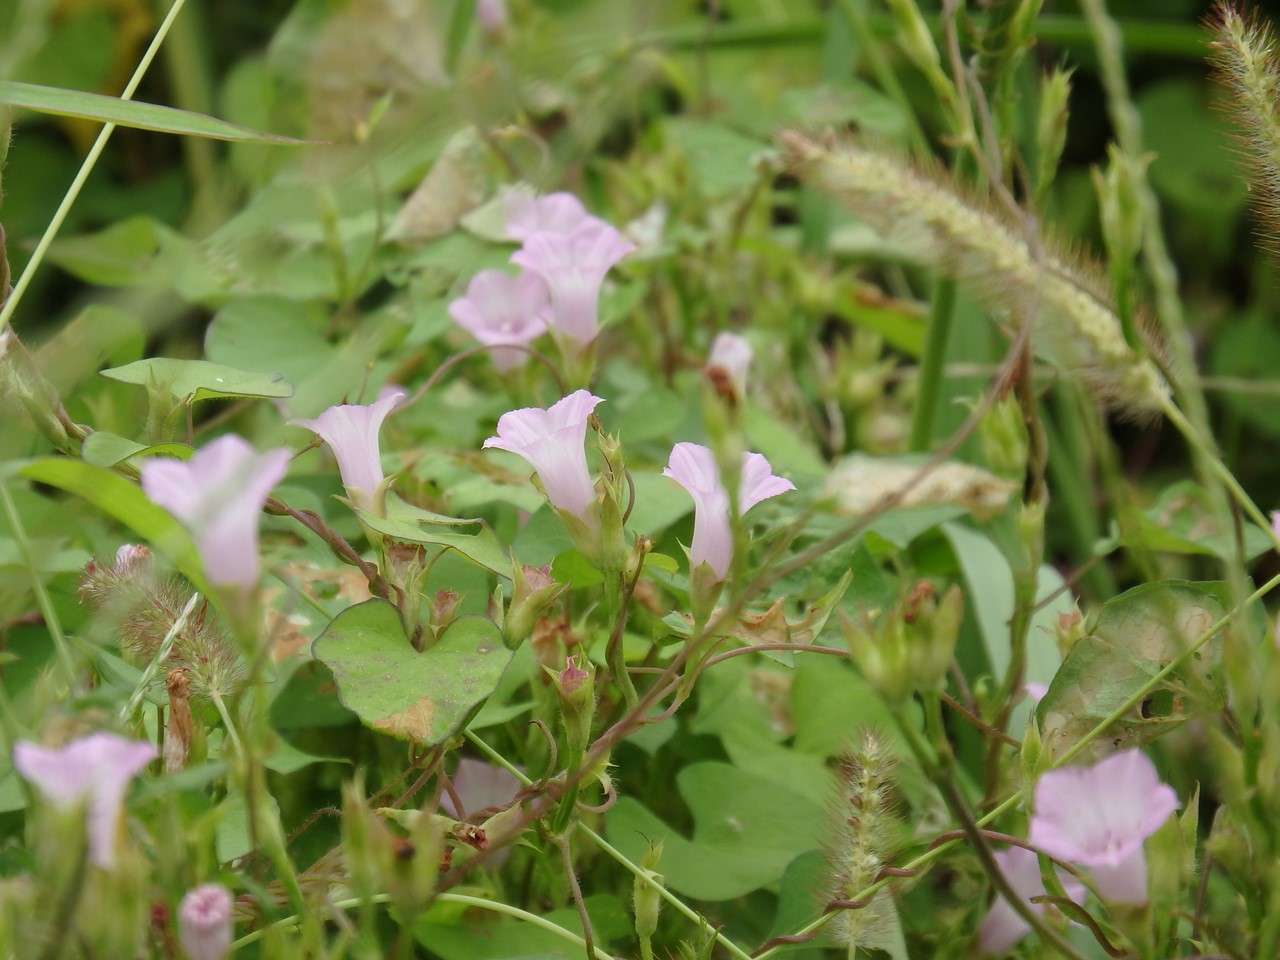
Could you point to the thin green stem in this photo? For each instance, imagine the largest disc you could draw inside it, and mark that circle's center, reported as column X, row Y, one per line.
column 1145, row 690
column 856, row 14
column 63, row 650
column 458, row 898
column 677, row 904
column 932, row 361
column 937, row 763
column 86, row 168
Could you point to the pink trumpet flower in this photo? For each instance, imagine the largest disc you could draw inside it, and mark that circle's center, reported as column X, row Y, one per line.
column 574, row 267
column 1002, row 929
column 503, row 311
column 555, row 213
column 218, row 495
column 1099, row 816
column 351, row 431
column 693, row 466
column 552, row 441
column 94, row 770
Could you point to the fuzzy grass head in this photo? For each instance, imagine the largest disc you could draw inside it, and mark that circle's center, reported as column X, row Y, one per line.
column 1245, row 62
column 1073, row 323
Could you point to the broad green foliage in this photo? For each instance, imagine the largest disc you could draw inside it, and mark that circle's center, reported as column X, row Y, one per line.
column 1012, row 353
column 423, row 697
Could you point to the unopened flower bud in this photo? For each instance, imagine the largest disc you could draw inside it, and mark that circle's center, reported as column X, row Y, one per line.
column 204, row 922
column 1004, row 438
column 443, row 609
column 911, row 646
column 533, row 591
column 1051, row 126
column 1069, row 631
column 648, row 902
column 1120, row 204
column 576, row 689
column 131, row 557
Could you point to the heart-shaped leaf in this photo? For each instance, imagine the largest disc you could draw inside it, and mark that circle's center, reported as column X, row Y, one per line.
column 420, row 697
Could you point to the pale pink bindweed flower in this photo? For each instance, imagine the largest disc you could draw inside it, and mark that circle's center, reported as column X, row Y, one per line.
column 731, row 354
column 217, row 495
column 552, row 441
column 503, row 311
column 94, row 770
column 693, row 466
column 351, row 431
column 574, row 265
column 479, row 786
column 1035, row 691
column 205, row 922
column 1099, row 816
column 1002, row 928
column 555, row 213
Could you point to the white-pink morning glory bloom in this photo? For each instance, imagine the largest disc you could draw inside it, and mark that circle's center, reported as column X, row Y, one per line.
column 351, row 431
column 205, row 922
column 693, row 466
column 574, row 267
column 1002, row 928
column 1099, row 816
column 94, row 770
column 554, row 213
column 731, row 354
column 217, row 495
column 552, row 441
column 502, row 311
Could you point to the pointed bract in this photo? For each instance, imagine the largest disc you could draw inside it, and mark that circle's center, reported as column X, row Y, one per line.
column 94, row 769
column 552, row 441
column 351, row 431
column 218, row 495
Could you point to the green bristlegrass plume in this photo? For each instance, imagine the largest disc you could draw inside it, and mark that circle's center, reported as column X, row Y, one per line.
column 1245, row 62
column 1074, row 324
column 860, row 841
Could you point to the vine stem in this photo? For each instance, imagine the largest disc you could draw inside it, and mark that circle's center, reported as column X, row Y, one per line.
column 459, row 898
column 86, row 168
column 676, row 903
column 932, row 854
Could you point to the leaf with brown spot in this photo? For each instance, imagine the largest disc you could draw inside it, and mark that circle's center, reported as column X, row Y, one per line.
column 425, row 697
column 1136, row 636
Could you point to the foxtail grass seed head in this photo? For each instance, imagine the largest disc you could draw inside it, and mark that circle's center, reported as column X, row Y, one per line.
column 1246, row 62
column 1073, row 325
column 861, row 836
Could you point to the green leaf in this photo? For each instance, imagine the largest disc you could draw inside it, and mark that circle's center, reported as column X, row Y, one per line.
column 1137, row 635
column 122, row 500
column 1182, row 522
column 746, row 831
column 420, row 697
column 102, row 449
column 404, row 521
column 193, row 380
column 129, row 113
